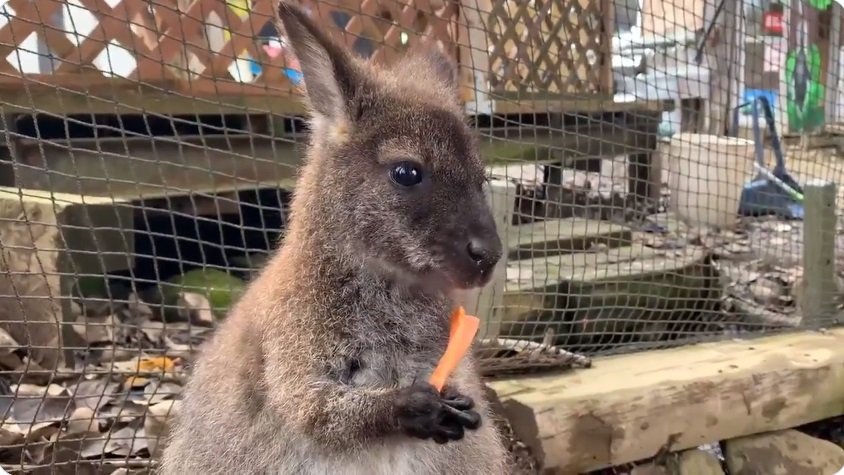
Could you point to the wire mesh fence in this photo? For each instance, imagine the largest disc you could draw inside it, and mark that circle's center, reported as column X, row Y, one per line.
column 151, row 148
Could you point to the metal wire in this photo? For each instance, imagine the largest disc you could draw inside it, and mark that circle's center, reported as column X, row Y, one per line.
column 145, row 175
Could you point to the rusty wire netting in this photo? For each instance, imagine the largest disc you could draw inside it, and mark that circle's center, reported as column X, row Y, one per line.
column 151, row 148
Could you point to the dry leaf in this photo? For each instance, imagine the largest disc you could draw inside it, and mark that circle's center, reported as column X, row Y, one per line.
column 35, row 390
column 159, row 363
column 94, row 393
column 127, row 441
column 159, row 391
column 136, row 382
column 7, row 343
column 32, row 414
column 146, row 364
column 153, row 330
column 82, row 421
column 157, row 425
column 122, row 411
column 93, row 447
column 765, row 291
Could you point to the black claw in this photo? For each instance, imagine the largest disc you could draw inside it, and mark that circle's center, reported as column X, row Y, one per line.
column 469, row 419
column 461, row 403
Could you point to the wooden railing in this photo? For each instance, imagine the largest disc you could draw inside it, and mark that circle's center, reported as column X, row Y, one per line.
column 217, row 47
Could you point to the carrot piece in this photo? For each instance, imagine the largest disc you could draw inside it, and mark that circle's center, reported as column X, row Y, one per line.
column 462, row 332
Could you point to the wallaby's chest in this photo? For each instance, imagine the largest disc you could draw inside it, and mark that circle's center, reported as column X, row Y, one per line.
column 389, row 368
column 407, row 458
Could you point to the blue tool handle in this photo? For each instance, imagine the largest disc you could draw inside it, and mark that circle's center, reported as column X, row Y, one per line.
column 779, row 166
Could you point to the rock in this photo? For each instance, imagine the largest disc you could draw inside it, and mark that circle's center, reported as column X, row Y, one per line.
column 75, row 310
column 195, row 308
column 698, row 462
column 649, row 469
column 137, row 309
column 786, row 452
column 96, row 329
column 96, row 307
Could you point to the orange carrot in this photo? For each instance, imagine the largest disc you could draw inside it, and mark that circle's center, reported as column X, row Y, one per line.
column 462, row 332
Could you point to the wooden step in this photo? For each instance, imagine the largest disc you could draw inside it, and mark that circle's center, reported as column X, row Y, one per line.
column 559, row 236
column 605, row 292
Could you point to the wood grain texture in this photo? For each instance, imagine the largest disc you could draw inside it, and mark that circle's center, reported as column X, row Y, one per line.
column 629, row 407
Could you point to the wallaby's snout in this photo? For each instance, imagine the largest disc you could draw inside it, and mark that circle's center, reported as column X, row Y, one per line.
column 482, row 251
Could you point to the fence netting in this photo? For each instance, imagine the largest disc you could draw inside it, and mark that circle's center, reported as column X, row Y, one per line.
column 150, row 149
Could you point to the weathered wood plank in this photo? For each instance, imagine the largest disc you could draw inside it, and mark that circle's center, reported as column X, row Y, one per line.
column 628, row 407
column 619, row 263
column 634, row 290
column 557, row 236
column 49, row 240
column 148, row 167
column 135, row 98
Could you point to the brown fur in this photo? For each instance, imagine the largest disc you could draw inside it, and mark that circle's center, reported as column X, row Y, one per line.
column 306, row 373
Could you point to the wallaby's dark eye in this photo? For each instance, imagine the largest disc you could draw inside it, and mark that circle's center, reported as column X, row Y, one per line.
column 406, row 173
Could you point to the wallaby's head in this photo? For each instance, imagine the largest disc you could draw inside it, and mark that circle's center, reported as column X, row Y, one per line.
column 393, row 173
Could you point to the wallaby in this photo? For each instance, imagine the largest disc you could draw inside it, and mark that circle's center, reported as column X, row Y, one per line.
column 322, row 366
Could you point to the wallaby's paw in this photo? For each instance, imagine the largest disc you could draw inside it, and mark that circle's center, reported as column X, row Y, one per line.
column 424, row 413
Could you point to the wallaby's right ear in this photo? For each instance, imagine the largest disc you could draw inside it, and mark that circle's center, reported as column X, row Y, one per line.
column 329, row 74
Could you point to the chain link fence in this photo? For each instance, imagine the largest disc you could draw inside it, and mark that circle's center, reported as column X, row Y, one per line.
column 150, row 150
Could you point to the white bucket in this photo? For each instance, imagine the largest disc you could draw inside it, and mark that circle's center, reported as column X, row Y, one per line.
column 706, row 174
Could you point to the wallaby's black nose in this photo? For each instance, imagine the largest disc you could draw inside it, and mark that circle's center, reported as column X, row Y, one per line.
column 484, row 253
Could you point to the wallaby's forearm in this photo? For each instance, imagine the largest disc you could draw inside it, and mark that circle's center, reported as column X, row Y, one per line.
column 341, row 417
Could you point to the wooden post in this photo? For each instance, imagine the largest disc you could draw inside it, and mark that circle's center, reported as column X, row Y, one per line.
column 728, row 67
column 644, row 165
column 501, row 196
column 9, row 158
column 474, row 55
column 819, row 229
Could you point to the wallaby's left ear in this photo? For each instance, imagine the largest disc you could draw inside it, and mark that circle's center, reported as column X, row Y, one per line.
column 330, row 77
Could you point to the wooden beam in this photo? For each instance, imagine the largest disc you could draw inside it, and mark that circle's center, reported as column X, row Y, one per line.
column 566, row 104
column 629, row 407
column 135, row 167
column 118, row 98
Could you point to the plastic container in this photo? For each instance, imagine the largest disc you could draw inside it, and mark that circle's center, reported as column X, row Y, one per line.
column 706, row 175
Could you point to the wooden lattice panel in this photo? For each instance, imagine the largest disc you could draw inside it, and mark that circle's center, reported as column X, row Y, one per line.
column 384, row 29
column 205, row 47
column 550, row 46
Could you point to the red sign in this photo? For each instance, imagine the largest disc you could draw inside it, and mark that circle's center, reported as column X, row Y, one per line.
column 772, row 23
